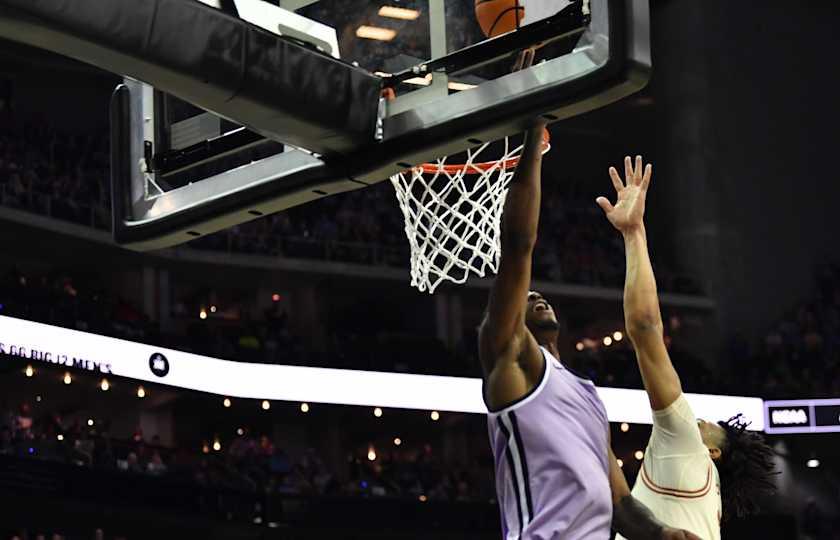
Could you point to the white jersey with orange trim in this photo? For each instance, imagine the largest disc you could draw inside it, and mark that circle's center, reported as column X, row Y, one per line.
column 678, row 480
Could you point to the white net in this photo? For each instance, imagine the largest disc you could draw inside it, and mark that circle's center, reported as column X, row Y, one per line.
column 453, row 215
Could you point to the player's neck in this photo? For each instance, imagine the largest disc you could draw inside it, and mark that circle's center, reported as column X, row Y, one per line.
column 548, row 339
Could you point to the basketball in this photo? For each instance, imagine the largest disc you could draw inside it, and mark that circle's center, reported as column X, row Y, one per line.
column 498, row 17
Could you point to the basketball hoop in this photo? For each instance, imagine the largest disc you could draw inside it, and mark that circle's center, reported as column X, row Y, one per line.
column 453, row 224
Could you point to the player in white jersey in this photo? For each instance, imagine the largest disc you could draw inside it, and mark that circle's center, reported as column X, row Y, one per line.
column 694, row 472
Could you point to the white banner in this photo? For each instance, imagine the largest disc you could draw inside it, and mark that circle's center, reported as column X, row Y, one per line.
column 91, row 352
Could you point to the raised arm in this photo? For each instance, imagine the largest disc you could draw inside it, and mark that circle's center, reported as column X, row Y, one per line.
column 503, row 336
column 642, row 316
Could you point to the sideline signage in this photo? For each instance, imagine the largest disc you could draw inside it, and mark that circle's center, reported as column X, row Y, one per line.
column 100, row 354
column 802, row 416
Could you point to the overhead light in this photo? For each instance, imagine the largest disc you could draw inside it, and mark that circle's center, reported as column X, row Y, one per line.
column 266, row 405
column 275, row 297
column 423, row 498
column 212, row 309
column 618, row 336
column 620, row 462
column 202, row 314
column 420, row 81
column 104, row 385
column 454, row 85
column 579, row 345
column 226, row 403
column 607, row 341
column 377, row 412
column 639, row 455
column 397, row 441
column 812, row 463
column 427, row 80
column 141, row 392
column 205, row 449
column 38, row 398
column 217, row 445
column 240, row 432
column 371, row 454
column 29, row 371
column 625, row 427
column 394, row 12
column 60, row 437
column 90, row 422
column 375, row 32
column 67, row 378
column 435, row 416
column 304, row 407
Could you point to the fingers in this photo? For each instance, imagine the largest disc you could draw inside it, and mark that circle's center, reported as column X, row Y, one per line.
column 679, row 534
column 605, row 204
column 628, row 170
column 616, row 180
column 637, row 171
column 529, row 57
column 636, row 175
column 646, row 177
column 525, row 59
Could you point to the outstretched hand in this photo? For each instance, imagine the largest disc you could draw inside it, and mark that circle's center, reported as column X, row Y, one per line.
column 629, row 210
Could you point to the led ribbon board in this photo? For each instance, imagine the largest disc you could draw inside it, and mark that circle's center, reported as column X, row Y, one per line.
column 802, row 416
column 99, row 354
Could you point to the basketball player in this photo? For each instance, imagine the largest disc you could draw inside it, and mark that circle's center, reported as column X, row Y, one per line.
column 687, row 461
column 556, row 477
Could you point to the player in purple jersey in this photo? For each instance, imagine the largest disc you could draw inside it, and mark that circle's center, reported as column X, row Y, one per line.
column 556, row 476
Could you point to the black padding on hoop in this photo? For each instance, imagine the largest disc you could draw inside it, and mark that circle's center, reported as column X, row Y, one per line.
column 274, row 85
column 120, row 116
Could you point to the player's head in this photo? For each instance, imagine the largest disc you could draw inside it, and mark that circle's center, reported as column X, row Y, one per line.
column 714, row 437
column 540, row 317
column 744, row 463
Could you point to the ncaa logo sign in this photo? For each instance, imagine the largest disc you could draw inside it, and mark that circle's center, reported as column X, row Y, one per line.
column 159, row 365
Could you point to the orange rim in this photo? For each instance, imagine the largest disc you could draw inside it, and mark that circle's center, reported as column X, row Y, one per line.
column 478, row 168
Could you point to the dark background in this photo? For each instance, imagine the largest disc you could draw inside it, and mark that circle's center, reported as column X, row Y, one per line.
column 740, row 120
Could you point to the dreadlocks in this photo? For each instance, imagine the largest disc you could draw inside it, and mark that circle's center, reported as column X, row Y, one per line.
column 746, row 469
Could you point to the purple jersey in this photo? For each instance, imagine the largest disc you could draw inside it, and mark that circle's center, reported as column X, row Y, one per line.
column 552, row 469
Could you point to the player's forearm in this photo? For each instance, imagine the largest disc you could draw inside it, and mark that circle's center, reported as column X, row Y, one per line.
column 641, row 301
column 634, row 521
column 522, row 205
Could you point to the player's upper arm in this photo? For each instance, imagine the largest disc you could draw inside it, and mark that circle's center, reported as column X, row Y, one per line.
column 660, row 378
column 675, row 431
column 618, row 483
column 503, row 330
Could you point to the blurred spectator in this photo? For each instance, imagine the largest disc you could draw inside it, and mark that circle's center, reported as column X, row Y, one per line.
column 65, row 176
column 250, row 464
column 800, row 355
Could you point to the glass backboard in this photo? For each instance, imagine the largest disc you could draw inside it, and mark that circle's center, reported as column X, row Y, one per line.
column 234, row 109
